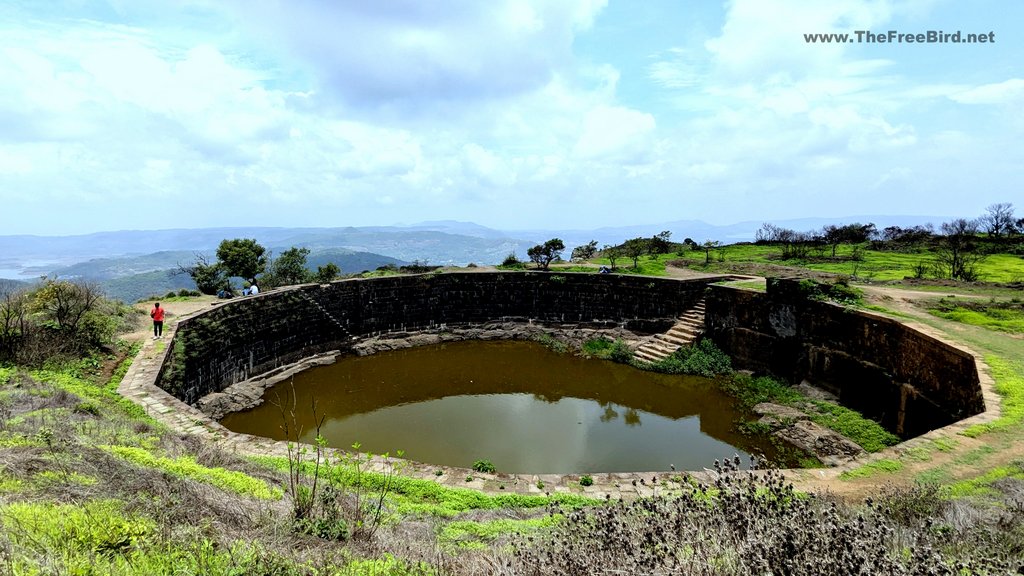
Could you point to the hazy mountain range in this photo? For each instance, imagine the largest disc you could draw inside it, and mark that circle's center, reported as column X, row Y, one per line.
column 131, row 264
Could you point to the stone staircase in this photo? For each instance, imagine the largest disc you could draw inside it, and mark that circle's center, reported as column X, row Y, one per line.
column 684, row 332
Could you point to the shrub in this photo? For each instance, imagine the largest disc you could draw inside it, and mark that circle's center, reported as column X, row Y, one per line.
column 701, row 359
column 484, row 466
column 620, row 353
column 586, row 481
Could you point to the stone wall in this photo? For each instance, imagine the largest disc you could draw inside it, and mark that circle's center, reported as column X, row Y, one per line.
column 910, row 381
column 253, row 335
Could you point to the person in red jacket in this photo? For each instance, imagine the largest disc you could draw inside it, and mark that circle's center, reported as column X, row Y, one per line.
column 157, row 314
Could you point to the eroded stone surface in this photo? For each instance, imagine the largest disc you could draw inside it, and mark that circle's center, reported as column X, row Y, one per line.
column 828, row 446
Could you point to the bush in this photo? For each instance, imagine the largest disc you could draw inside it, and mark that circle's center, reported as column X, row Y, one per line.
column 701, row 359
column 484, row 466
column 620, row 353
column 586, row 481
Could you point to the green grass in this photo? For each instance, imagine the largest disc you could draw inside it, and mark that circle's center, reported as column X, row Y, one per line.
column 982, row 485
column 412, row 496
column 98, row 526
column 186, row 467
column 868, row 434
column 1009, row 383
column 478, row 535
column 105, row 395
column 876, row 468
column 994, row 317
column 975, row 456
column 875, row 265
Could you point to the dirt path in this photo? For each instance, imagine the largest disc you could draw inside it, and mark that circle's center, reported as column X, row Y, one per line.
column 172, row 311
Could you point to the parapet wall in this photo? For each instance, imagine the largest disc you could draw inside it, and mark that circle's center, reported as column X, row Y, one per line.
column 250, row 336
column 887, row 370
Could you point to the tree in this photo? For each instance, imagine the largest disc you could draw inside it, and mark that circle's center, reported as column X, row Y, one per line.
column 660, row 243
column 65, row 303
column 290, row 267
column 543, row 254
column 708, row 246
column 326, row 273
column 634, row 248
column 957, row 255
column 585, row 252
column 242, row 257
column 847, row 234
column 612, row 253
column 998, row 219
column 209, row 278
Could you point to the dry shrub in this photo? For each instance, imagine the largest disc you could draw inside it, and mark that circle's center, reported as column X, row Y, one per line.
column 750, row 523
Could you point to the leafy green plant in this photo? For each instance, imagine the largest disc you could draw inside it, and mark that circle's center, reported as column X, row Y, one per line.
column 701, row 359
column 586, row 480
column 484, row 466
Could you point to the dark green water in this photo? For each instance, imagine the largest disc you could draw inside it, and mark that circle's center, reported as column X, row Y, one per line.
column 518, row 404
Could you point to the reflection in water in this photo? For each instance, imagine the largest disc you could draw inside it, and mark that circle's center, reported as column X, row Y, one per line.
column 518, row 404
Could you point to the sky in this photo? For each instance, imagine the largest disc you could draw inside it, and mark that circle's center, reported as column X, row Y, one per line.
column 514, row 114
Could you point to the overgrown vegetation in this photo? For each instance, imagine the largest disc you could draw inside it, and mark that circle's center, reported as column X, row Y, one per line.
column 743, row 523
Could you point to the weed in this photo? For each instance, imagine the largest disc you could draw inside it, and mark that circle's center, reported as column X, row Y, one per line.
column 484, row 466
column 586, row 480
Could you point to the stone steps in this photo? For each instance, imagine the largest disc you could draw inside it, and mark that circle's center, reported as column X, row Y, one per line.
column 688, row 327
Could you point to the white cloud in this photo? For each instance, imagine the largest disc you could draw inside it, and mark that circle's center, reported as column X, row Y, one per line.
column 615, row 133
column 1006, row 92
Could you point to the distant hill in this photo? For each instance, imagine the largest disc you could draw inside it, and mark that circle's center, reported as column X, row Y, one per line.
column 7, row 285
column 108, row 255
column 130, row 278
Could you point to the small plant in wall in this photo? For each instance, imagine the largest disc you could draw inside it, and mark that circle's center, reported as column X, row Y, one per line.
column 586, row 480
column 484, row 466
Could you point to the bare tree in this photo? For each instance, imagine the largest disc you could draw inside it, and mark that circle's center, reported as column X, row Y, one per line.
column 998, row 219
column 957, row 255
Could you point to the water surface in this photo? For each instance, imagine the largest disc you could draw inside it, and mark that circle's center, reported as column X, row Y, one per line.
column 518, row 404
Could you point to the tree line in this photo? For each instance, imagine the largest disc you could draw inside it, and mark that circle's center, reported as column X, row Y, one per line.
column 246, row 259
column 958, row 245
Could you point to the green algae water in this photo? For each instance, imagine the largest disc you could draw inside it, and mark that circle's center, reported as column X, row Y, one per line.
column 518, row 404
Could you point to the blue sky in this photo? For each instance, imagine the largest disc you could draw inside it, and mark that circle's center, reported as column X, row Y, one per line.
column 140, row 114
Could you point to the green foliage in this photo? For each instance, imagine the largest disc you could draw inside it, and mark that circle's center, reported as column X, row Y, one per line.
column 586, row 480
column 870, row 435
column 242, row 257
column 701, row 359
column 209, row 277
column 484, row 466
column 634, row 248
column 187, row 467
column 326, row 273
column 585, row 252
column 289, row 268
column 750, row 391
column 599, row 347
column 840, row 292
column 98, row 527
column 620, row 352
column 544, row 254
column 552, row 343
